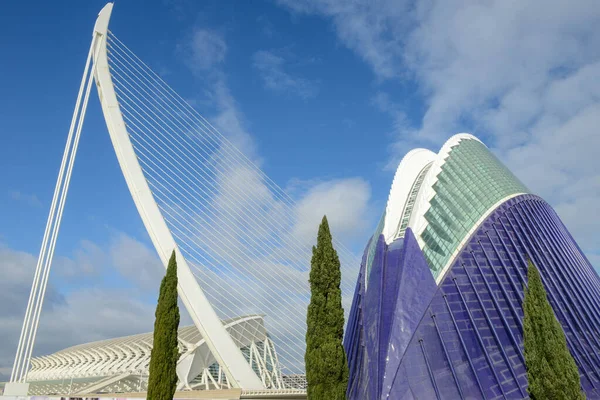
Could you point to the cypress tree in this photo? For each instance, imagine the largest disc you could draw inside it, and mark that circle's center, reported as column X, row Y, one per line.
column 165, row 353
column 551, row 370
column 325, row 359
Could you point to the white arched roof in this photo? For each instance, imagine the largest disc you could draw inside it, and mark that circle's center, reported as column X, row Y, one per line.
column 131, row 353
column 444, row 212
column 408, row 170
column 418, row 223
column 407, row 173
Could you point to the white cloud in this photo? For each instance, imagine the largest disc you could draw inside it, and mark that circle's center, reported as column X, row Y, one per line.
column 272, row 69
column 267, row 26
column 230, row 120
column 205, row 50
column 87, row 261
column 345, row 202
column 29, row 199
column 348, row 207
column 17, row 269
column 136, row 262
column 401, row 131
column 524, row 76
column 247, row 243
column 93, row 314
column 373, row 29
column 95, row 310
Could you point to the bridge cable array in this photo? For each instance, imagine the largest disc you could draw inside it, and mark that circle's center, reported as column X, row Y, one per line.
column 238, row 230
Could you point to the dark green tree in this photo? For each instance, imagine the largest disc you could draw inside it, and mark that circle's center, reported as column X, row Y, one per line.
column 165, row 353
column 551, row 370
column 325, row 358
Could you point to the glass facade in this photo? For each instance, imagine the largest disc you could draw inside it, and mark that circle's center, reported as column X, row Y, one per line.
column 472, row 180
column 409, row 337
column 415, row 333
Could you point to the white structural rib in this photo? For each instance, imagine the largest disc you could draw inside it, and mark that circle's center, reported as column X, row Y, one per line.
column 409, row 169
column 418, row 222
column 228, row 355
column 18, row 385
column 97, row 366
column 424, row 164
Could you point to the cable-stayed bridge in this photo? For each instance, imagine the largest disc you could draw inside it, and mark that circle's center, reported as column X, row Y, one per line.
column 233, row 229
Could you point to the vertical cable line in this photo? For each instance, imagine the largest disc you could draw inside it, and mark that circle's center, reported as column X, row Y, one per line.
column 187, row 238
column 189, row 167
column 117, row 79
column 49, row 223
column 184, row 105
column 38, row 289
column 294, row 246
column 274, row 222
column 211, row 220
column 61, row 207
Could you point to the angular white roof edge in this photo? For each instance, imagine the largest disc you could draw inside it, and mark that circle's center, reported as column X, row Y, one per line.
column 408, row 170
column 406, row 174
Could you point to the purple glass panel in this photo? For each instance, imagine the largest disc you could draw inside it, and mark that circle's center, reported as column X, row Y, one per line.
column 410, row 339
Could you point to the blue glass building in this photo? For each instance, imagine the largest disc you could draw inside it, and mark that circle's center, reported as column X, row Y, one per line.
column 437, row 312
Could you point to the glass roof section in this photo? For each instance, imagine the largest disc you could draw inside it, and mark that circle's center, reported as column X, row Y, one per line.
column 471, row 181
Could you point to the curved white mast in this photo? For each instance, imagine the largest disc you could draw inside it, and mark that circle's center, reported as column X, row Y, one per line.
column 228, row 355
column 230, row 358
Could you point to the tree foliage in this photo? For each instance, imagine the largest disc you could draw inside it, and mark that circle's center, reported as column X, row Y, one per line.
column 326, row 366
column 551, row 370
column 165, row 353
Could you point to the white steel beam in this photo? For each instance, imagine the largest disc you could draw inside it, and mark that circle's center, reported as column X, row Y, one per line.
column 221, row 345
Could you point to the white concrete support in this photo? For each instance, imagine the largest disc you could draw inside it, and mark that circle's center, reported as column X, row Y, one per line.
column 221, row 345
column 17, row 384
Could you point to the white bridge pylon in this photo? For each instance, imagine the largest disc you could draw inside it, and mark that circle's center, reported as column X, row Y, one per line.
column 238, row 236
column 231, row 360
column 228, row 355
column 18, row 384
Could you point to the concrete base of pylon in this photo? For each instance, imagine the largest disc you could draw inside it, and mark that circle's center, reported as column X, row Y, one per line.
column 16, row 389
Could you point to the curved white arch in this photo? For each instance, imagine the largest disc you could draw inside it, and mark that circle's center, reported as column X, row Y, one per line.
column 121, row 358
column 228, row 355
column 408, row 170
column 418, row 223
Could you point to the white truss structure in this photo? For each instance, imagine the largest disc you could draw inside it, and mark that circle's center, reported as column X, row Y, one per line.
column 122, row 364
column 232, row 228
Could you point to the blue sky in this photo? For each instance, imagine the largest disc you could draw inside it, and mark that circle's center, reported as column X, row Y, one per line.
column 327, row 95
column 327, row 129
